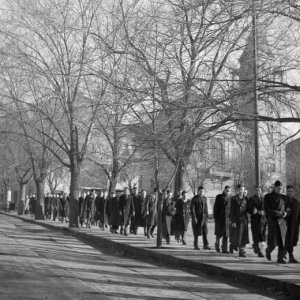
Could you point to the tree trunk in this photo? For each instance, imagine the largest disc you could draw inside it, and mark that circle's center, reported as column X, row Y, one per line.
column 39, row 208
column 22, row 199
column 74, row 194
column 180, row 183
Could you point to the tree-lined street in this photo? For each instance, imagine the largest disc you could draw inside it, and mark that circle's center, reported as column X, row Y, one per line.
column 38, row 263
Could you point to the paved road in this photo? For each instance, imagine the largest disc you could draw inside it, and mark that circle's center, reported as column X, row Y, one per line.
column 37, row 263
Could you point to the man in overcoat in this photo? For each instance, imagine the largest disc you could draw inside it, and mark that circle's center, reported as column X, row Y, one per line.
column 258, row 220
column 100, row 209
column 151, row 212
column 182, row 217
column 293, row 222
column 135, row 197
column 168, row 212
column 199, row 214
column 140, row 212
column 239, row 221
column 275, row 207
column 221, row 211
column 115, row 212
column 127, row 210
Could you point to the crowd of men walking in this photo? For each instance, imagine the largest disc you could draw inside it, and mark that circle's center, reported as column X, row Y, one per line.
column 274, row 218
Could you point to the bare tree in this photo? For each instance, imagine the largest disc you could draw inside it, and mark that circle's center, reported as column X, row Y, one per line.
column 52, row 42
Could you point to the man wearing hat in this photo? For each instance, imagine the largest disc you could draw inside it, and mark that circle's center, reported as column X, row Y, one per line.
column 199, row 214
column 275, row 207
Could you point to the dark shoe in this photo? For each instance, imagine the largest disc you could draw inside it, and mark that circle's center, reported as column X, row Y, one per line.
column 206, row 247
column 225, row 251
column 268, row 255
column 183, row 242
column 231, row 249
column 281, row 261
column 196, row 248
column 259, row 254
column 292, row 260
column 242, row 254
column 217, row 248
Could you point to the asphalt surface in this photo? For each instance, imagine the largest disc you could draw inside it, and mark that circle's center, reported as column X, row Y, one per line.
column 40, row 263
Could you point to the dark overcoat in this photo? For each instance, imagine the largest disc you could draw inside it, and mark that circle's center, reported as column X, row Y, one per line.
column 239, row 236
column 126, row 208
column 275, row 207
column 258, row 221
column 140, row 211
column 151, row 209
column 115, row 211
column 62, row 207
column 167, row 216
column 87, row 207
column 100, row 209
column 199, row 213
column 293, row 222
column 221, row 212
column 182, row 215
column 80, row 203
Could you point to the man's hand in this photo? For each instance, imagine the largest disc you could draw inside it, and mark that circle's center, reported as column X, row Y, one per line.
column 195, row 221
column 233, row 225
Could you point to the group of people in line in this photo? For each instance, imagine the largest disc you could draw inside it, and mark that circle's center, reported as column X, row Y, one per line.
column 274, row 218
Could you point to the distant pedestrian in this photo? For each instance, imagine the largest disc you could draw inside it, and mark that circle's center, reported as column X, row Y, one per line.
column 100, row 209
column 168, row 213
column 181, row 217
column 199, row 213
column 275, row 207
column 81, row 203
column 258, row 220
column 127, row 210
column 151, row 213
column 239, row 236
column 115, row 212
column 293, row 222
column 140, row 212
column 221, row 211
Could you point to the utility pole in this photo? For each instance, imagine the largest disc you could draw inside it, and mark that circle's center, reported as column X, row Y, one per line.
column 255, row 95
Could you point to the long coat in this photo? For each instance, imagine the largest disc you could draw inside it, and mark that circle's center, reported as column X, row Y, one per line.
column 115, row 212
column 275, row 206
column 182, row 215
column 80, row 202
column 126, row 208
column 293, row 222
column 62, row 207
column 151, row 209
column 199, row 213
column 258, row 221
column 167, row 216
column 87, row 207
column 140, row 211
column 221, row 215
column 238, row 214
column 100, row 206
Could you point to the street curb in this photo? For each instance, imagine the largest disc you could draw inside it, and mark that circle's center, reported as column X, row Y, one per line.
column 269, row 286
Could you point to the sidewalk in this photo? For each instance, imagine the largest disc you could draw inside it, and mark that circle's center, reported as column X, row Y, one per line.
column 251, row 271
